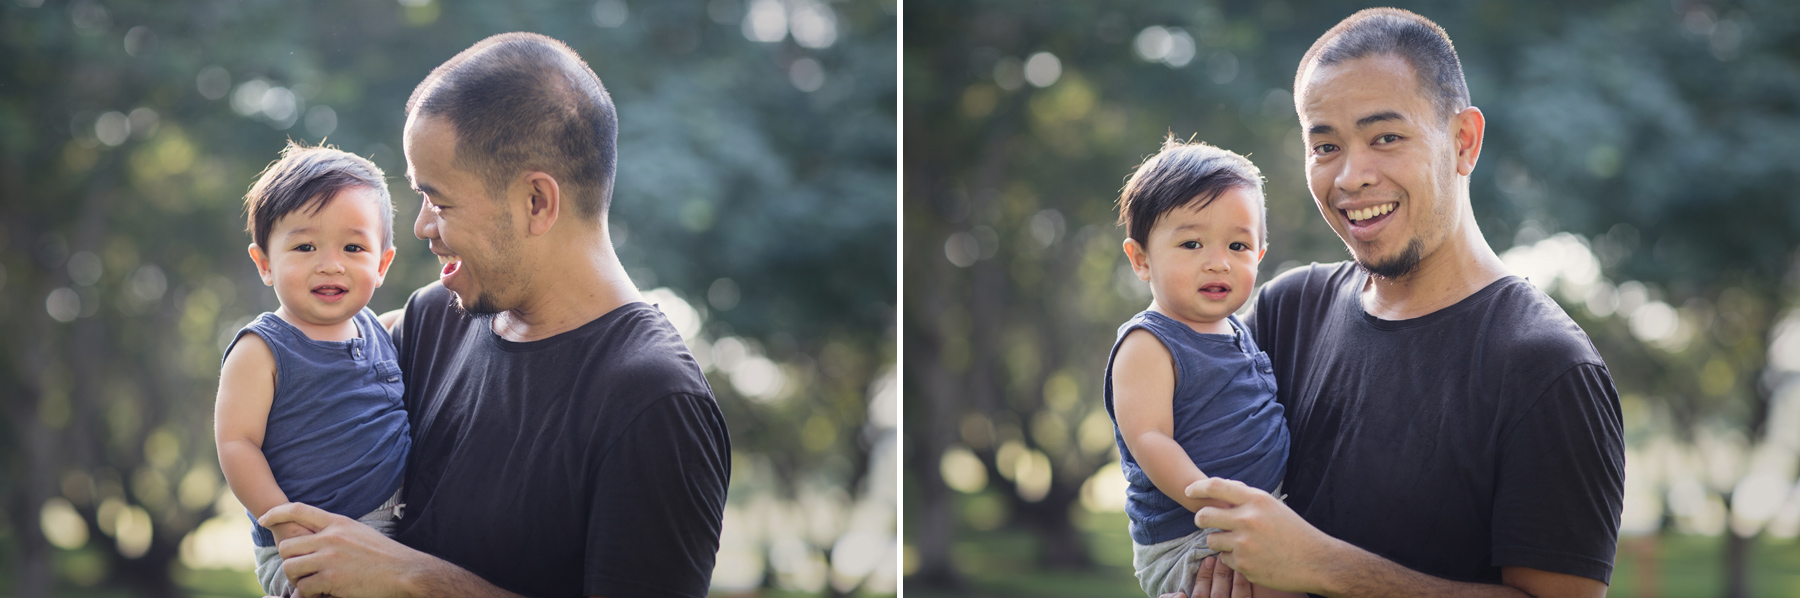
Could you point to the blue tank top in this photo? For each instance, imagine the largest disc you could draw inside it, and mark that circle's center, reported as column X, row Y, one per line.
column 1226, row 418
column 337, row 435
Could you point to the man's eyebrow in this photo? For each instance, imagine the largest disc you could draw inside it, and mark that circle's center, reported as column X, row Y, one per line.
column 1379, row 117
column 421, row 187
column 1361, row 123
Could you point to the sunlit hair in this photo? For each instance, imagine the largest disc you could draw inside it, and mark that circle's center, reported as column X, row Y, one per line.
column 1186, row 174
column 1402, row 34
column 523, row 101
column 307, row 178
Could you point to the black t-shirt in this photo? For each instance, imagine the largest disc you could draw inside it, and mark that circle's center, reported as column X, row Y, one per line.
column 593, row 462
column 1483, row 435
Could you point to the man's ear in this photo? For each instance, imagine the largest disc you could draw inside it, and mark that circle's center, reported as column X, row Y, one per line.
column 262, row 265
column 387, row 259
column 546, row 202
column 1467, row 129
column 1140, row 260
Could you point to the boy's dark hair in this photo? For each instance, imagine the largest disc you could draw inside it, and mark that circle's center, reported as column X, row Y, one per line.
column 1185, row 174
column 1402, row 34
column 307, row 178
column 524, row 101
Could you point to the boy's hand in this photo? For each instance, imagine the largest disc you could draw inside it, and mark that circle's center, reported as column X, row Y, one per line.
column 287, row 530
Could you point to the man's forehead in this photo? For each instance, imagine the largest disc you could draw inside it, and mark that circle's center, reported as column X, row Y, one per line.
column 1357, row 88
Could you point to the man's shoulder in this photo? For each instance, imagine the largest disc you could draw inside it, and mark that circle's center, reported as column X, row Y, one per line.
column 1529, row 325
column 638, row 349
column 1311, row 279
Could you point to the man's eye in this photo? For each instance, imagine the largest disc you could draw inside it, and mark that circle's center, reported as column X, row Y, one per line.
column 1190, row 245
column 1239, row 246
column 1388, row 138
column 1324, row 148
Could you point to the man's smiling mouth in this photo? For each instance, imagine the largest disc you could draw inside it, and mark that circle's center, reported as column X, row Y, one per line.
column 451, row 264
column 1370, row 212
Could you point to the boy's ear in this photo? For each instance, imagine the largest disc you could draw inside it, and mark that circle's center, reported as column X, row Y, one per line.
column 1140, row 260
column 262, row 265
column 387, row 259
column 1262, row 252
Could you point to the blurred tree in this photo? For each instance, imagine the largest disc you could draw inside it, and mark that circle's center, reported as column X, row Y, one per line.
column 1656, row 132
column 756, row 168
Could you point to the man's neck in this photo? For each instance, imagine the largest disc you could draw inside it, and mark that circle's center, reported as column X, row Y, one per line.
column 576, row 287
column 1461, row 266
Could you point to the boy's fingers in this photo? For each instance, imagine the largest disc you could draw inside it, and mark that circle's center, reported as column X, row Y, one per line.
column 1221, row 580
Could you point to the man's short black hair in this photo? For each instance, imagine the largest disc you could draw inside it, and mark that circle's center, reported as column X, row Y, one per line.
column 308, row 178
column 1399, row 33
column 1185, row 174
column 524, row 101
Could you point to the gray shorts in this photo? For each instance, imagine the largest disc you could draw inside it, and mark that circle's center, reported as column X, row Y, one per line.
column 268, row 558
column 1170, row 566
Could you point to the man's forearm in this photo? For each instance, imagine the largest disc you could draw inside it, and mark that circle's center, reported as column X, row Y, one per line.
column 1363, row 574
column 438, row 577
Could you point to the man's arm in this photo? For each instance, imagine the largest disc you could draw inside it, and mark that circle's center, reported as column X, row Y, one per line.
column 1144, row 404
column 1271, row 545
column 347, row 559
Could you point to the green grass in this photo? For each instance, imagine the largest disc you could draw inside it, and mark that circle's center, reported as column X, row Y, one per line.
column 1002, row 562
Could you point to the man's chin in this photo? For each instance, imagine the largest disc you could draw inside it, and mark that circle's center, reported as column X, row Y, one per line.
column 1397, row 266
column 481, row 306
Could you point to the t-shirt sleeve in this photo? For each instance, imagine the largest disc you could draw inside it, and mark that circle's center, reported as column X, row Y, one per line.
column 1561, row 479
column 654, row 522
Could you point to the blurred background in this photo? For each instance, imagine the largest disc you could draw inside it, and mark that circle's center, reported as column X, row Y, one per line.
column 755, row 204
column 1639, row 167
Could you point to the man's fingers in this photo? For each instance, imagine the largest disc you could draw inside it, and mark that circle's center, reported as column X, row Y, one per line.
column 1225, row 519
column 1230, row 491
column 308, row 516
column 1203, row 578
column 1224, row 542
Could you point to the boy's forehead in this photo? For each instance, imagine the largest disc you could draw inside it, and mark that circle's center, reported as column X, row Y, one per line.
column 1222, row 212
column 365, row 203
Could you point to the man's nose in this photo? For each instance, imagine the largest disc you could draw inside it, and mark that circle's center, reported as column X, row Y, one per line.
column 424, row 226
column 1358, row 171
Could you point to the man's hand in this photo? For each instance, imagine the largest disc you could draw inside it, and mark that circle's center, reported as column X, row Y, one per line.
column 283, row 531
column 1266, row 542
column 341, row 557
column 346, row 559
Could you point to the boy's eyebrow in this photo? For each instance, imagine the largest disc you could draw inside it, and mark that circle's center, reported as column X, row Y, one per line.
column 358, row 231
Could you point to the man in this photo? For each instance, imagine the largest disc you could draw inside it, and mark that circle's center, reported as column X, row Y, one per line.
column 564, row 442
column 1454, row 432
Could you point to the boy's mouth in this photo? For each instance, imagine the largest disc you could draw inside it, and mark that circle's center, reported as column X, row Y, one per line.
column 330, row 292
column 1215, row 291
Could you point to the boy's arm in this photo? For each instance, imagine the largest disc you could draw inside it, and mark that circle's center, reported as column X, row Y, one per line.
column 391, row 320
column 240, row 416
column 1144, row 403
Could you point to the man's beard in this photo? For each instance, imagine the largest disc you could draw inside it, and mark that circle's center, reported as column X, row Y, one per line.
column 483, row 306
column 1400, row 265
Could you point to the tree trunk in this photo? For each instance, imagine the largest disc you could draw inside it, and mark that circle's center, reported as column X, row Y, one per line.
column 1064, row 547
column 1737, row 565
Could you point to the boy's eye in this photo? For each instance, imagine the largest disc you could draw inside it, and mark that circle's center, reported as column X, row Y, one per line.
column 1239, row 246
column 1190, row 245
column 353, row 248
column 304, row 247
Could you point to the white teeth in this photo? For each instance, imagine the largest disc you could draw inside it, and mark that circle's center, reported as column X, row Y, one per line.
column 1371, row 212
column 444, row 260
